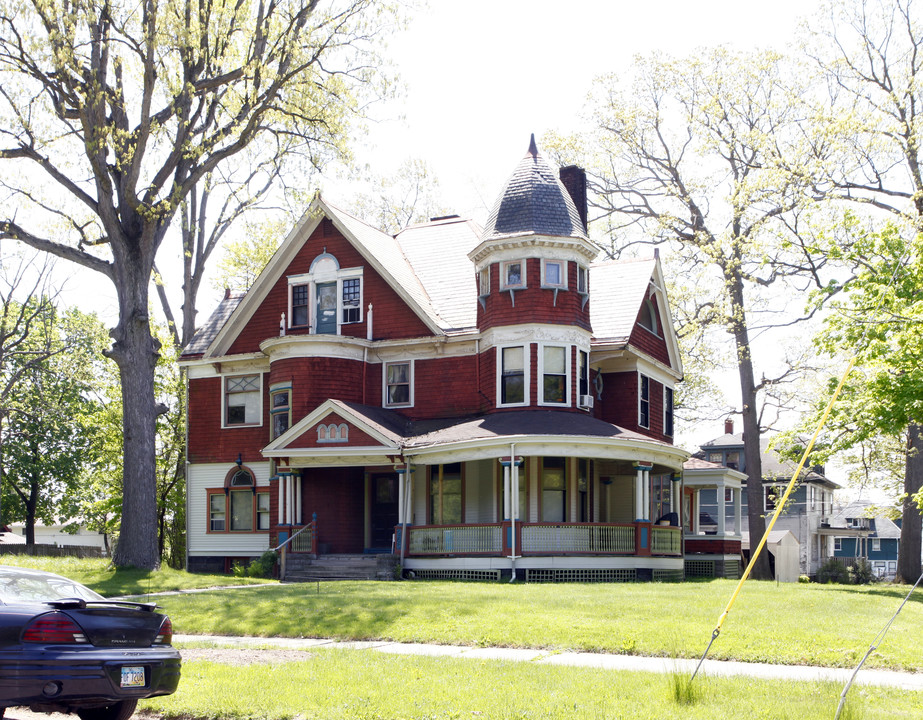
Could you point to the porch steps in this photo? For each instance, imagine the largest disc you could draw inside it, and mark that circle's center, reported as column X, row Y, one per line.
column 304, row 568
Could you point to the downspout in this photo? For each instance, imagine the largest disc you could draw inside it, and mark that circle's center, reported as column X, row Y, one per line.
column 514, row 507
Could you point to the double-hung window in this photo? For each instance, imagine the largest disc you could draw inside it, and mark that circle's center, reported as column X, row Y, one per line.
column 555, row 375
column 554, row 486
column 217, row 512
column 513, row 275
column 583, row 372
column 644, row 402
column 350, row 299
column 299, row 315
column 280, row 409
column 242, row 400
column 513, row 388
column 554, row 274
column 583, row 280
column 445, row 494
column 668, row 411
column 398, row 384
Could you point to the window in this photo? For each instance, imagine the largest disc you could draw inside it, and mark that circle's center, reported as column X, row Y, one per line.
column 512, row 378
column 716, row 457
column 554, row 486
column 554, row 375
column 216, row 512
column 333, row 433
column 644, row 402
column 583, row 280
column 262, row 511
column 484, row 282
column 728, row 495
column 554, row 273
column 583, row 373
column 771, row 495
column 647, row 318
column 280, row 410
column 837, row 544
column 733, row 460
column 512, row 274
column 876, row 544
column 299, row 305
column 668, row 411
column 351, row 296
column 242, row 400
column 398, row 385
column 238, row 507
column 445, row 494
column 326, row 297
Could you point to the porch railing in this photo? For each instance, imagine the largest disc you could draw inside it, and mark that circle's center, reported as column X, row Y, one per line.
column 455, row 539
column 567, row 538
column 666, row 540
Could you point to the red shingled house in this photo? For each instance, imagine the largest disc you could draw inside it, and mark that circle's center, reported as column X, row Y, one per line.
column 475, row 402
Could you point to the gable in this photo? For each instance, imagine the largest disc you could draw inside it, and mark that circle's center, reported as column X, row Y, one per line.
column 331, row 432
column 392, row 317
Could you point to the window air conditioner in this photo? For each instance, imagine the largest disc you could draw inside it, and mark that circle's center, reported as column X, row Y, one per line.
column 585, row 401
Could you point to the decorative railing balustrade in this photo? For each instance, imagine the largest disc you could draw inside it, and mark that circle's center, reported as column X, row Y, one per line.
column 566, row 538
column 303, row 542
column 666, row 540
column 456, row 539
column 542, row 538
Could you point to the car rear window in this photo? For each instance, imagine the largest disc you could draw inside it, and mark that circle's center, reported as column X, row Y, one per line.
column 16, row 588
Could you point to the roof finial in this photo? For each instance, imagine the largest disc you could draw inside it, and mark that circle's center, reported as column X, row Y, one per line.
column 533, row 150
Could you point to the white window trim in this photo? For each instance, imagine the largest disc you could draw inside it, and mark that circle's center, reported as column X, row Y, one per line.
column 526, row 374
column 876, row 544
column 224, row 401
column 541, row 375
column 384, row 383
column 312, row 282
column 642, row 375
column 586, row 275
column 555, row 286
column 837, row 544
column 484, row 272
column 522, row 269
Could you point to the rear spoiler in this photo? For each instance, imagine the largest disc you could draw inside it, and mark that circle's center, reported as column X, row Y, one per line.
column 65, row 603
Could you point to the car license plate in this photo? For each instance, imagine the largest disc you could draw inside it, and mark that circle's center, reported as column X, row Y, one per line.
column 132, row 676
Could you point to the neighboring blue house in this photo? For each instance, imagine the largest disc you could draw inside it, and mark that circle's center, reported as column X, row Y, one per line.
column 859, row 533
column 809, row 510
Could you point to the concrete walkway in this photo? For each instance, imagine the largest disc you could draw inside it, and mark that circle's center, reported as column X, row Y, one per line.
column 712, row 668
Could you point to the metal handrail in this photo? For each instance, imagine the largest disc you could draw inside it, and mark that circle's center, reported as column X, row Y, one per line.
column 293, row 536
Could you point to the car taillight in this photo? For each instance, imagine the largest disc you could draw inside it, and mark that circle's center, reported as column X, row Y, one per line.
column 53, row 628
column 165, row 636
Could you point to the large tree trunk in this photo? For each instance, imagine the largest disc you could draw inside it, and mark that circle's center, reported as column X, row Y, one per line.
column 135, row 351
column 751, row 429
column 908, row 558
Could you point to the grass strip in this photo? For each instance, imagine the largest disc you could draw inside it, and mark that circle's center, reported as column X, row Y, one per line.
column 333, row 684
column 825, row 625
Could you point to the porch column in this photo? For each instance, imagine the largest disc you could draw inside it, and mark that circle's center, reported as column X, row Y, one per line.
column 297, row 482
column 290, row 494
column 281, row 499
column 507, row 509
column 737, row 525
column 721, row 511
column 642, row 491
column 675, row 491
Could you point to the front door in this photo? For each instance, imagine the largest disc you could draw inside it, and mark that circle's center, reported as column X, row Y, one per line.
column 326, row 308
column 384, row 510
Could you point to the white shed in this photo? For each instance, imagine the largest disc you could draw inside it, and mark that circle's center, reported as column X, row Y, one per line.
column 785, row 550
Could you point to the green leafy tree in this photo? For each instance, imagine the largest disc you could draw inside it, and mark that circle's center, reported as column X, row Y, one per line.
column 696, row 154
column 879, row 317
column 47, row 434
column 112, row 112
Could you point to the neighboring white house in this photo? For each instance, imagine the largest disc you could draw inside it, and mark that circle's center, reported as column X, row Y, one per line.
column 56, row 535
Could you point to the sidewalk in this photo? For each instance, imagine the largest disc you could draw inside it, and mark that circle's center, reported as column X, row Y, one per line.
column 712, row 668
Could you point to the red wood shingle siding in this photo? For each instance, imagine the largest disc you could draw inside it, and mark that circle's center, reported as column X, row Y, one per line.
column 208, row 442
column 534, row 304
column 392, row 317
column 619, row 404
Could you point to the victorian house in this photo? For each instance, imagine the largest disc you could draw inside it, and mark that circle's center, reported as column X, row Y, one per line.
column 473, row 402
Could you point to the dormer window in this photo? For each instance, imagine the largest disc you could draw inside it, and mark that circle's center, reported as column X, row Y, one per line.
column 513, row 275
column 325, row 298
column 554, row 274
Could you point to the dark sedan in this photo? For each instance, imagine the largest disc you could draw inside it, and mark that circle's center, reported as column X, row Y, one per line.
column 64, row 648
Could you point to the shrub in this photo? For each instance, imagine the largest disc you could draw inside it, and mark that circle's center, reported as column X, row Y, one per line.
column 804, row 579
column 261, row 567
column 833, row 571
column 861, row 573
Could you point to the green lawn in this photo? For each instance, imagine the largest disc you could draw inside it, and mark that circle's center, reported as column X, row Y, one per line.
column 349, row 684
column 827, row 625
column 98, row 574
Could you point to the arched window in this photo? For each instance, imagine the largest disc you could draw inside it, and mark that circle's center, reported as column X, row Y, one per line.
column 238, row 506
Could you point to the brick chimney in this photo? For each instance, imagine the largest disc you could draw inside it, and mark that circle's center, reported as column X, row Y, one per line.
column 574, row 180
column 729, row 426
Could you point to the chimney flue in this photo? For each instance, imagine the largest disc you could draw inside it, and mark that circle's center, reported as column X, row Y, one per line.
column 574, row 180
column 729, row 427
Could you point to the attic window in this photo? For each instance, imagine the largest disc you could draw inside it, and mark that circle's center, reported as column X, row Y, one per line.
column 648, row 316
column 326, row 298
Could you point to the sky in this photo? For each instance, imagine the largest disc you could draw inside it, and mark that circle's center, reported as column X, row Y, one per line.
column 482, row 75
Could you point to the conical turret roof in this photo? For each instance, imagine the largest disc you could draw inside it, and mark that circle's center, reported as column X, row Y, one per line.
column 534, row 202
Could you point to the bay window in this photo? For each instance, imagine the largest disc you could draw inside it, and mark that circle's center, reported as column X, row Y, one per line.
column 555, row 375
column 512, row 375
